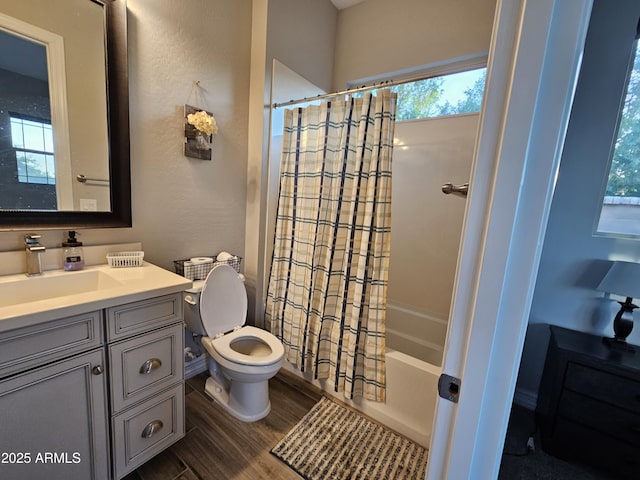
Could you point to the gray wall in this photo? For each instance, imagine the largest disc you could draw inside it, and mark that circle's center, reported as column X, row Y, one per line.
column 574, row 259
column 379, row 37
column 302, row 35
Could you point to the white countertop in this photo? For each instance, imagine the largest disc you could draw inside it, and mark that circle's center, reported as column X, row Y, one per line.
column 134, row 284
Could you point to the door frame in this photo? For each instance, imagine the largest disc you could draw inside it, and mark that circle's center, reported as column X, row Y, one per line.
column 534, row 60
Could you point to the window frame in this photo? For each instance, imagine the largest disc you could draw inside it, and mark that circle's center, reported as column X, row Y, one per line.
column 433, row 70
column 49, row 155
column 634, row 53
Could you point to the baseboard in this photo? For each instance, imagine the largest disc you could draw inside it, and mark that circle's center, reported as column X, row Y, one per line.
column 525, row 398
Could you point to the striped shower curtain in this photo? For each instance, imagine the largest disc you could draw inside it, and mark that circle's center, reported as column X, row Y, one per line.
column 327, row 291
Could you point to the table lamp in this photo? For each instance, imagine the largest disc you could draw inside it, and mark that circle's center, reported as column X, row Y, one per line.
column 623, row 278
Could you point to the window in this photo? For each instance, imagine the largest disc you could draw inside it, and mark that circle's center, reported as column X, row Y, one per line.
column 451, row 94
column 32, row 140
column 621, row 206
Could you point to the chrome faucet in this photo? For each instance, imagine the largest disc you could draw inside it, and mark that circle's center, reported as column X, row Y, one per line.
column 33, row 249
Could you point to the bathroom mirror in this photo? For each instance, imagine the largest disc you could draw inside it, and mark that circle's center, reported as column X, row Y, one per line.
column 69, row 142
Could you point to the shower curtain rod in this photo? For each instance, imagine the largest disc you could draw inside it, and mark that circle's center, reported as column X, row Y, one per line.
column 364, row 88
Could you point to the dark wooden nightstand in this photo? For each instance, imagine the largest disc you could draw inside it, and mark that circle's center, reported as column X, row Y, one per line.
column 589, row 402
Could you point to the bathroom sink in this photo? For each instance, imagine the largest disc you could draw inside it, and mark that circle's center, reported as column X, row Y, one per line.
column 19, row 289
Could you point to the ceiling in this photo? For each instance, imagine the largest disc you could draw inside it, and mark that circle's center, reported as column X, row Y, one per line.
column 341, row 4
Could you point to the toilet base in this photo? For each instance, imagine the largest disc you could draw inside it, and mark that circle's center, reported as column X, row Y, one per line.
column 231, row 400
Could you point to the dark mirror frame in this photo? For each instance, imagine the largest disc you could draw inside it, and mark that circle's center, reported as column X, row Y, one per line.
column 119, row 151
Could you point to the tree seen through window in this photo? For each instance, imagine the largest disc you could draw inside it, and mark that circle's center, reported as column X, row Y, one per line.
column 32, row 140
column 624, row 176
column 451, row 94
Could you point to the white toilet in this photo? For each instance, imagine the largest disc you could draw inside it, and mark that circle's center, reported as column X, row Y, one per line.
column 242, row 359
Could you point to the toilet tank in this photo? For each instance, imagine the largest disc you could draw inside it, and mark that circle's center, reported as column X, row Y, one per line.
column 191, row 304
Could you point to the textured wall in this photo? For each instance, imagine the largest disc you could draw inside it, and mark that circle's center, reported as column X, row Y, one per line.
column 182, row 207
column 302, row 36
column 378, row 36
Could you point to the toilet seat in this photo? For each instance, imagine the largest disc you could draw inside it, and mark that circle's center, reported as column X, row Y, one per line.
column 223, row 301
column 223, row 345
column 223, row 308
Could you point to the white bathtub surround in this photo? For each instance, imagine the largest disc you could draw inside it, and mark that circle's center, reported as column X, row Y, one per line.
column 415, row 332
column 426, row 228
column 328, row 283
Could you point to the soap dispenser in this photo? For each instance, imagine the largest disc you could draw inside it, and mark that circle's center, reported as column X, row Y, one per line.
column 72, row 255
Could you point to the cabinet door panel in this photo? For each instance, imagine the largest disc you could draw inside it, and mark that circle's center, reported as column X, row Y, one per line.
column 54, row 418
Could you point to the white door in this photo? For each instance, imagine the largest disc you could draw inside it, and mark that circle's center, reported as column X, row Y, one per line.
column 533, row 66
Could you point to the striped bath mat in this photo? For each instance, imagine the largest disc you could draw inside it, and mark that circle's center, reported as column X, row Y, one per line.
column 332, row 442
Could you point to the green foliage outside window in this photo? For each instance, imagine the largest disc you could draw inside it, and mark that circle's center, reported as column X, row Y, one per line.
column 624, row 176
column 428, row 98
column 440, row 96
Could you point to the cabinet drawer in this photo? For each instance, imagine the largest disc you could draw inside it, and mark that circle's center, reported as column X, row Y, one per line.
column 577, row 442
column 137, row 317
column 39, row 344
column 601, row 416
column 145, row 365
column 619, row 391
column 145, row 430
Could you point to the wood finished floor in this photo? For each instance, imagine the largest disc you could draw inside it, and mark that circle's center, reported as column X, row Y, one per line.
column 217, row 446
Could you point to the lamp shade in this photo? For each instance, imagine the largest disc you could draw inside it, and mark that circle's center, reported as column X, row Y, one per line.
column 623, row 278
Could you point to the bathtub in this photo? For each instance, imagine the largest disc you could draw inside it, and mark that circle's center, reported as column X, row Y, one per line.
column 412, row 389
column 415, row 341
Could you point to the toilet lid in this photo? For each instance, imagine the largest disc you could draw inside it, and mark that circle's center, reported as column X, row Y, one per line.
column 223, row 301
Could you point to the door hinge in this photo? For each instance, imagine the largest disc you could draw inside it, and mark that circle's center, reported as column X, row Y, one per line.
column 449, row 387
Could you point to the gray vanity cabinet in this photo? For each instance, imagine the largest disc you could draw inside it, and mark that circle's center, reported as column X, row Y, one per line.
column 92, row 396
column 53, row 412
column 146, row 374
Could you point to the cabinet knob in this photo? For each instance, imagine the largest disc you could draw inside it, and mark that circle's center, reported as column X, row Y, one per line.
column 150, row 365
column 151, row 428
column 97, row 370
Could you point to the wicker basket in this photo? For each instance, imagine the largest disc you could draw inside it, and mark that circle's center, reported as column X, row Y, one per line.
column 200, row 271
column 125, row 259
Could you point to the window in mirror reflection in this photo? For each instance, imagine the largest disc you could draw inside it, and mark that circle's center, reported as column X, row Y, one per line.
column 27, row 171
column 620, row 212
column 32, row 141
